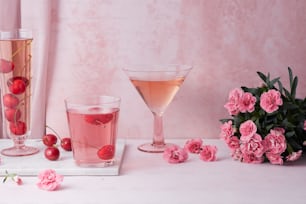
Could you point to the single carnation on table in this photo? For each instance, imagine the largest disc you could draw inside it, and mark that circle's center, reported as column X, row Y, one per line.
column 267, row 123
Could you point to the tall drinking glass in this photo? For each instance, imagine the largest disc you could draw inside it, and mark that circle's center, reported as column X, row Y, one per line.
column 157, row 85
column 15, row 81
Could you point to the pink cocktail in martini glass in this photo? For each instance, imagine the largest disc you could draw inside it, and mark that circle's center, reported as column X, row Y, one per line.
column 157, row 85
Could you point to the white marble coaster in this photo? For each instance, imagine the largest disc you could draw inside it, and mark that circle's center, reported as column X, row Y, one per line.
column 32, row 165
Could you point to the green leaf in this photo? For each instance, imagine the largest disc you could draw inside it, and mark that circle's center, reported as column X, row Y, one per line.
column 290, row 76
column 296, row 146
column 254, row 118
column 287, row 93
column 224, row 120
column 287, row 124
column 262, row 76
column 289, row 148
column 290, row 106
column 261, row 112
column 269, row 127
column 280, row 86
column 253, row 91
column 290, row 134
column 274, row 81
column 293, row 87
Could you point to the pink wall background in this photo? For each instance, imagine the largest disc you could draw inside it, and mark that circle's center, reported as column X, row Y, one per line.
column 225, row 41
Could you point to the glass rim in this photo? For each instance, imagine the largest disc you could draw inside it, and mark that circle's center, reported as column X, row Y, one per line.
column 157, row 67
column 77, row 99
column 19, row 33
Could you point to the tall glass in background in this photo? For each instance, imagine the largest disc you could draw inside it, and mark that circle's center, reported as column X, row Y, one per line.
column 15, row 81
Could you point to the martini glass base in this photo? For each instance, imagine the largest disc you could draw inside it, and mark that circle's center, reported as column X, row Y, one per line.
column 153, row 148
column 20, row 151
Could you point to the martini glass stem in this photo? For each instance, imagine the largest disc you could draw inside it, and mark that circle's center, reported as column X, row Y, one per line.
column 158, row 137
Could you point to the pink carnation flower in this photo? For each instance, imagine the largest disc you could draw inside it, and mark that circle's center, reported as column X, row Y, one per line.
column 253, row 146
column 247, row 129
column 275, row 141
column 237, row 154
column 233, row 142
column 247, row 103
column 278, row 131
column 252, row 158
column 305, row 125
column 274, row 158
column 270, row 101
column 232, row 105
column 294, row 156
column 227, row 130
column 175, row 154
column 17, row 180
column 208, row 153
column 193, row 145
column 49, row 180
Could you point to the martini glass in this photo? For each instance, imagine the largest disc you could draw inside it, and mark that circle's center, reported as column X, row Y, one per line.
column 157, row 85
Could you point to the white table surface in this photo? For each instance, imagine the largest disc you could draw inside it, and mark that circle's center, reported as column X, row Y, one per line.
column 147, row 178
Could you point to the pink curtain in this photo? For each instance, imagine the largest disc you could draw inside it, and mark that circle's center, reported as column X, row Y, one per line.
column 9, row 19
column 9, row 14
column 36, row 16
column 81, row 45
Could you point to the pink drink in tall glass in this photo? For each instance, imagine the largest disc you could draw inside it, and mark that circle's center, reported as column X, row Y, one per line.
column 16, row 90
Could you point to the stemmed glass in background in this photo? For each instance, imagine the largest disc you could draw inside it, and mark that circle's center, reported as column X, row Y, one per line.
column 15, row 81
column 157, row 85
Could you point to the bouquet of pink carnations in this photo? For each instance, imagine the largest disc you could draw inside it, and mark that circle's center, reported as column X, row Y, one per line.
column 267, row 123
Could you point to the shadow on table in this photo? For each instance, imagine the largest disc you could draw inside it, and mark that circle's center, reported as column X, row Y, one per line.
column 135, row 160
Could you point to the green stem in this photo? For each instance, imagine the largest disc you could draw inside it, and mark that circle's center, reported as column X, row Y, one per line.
column 53, row 131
